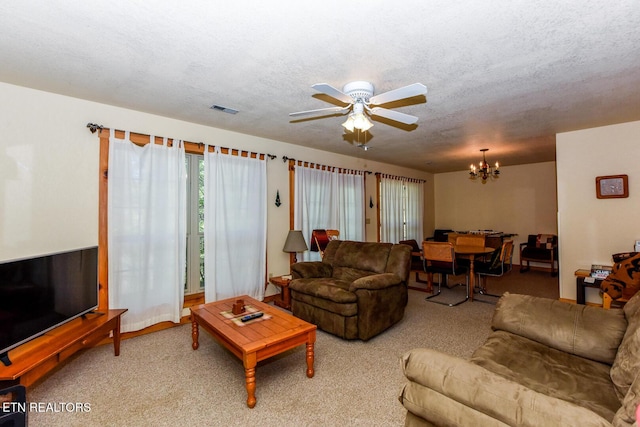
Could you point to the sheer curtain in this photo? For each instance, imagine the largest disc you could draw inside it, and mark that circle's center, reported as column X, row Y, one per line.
column 350, row 206
column 401, row 209
column 314, row 194
column 147, row 231
column 328, row 199
column 235, row 226
column 391, row 210
column 414, row 210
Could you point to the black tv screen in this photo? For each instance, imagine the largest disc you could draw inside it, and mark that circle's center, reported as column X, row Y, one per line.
column 37, row 294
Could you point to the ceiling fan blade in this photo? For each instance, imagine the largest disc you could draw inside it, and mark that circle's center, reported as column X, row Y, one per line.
column 319, row 111
column 394, row 115
column 327, row 89
column 400, row 93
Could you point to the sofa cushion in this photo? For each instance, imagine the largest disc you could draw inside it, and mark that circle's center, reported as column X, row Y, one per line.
column 551, row 372
column 627, row 362
column 367, row 256
column 585, row 331
column 335, row 290
column 349, row 274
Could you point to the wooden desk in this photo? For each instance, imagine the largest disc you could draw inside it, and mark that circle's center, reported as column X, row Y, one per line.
column 256, row 340
column 470, row 252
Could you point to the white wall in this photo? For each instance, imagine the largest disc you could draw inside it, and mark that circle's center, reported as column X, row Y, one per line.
column 521, row 201
column 49, row 171
column 593, row 229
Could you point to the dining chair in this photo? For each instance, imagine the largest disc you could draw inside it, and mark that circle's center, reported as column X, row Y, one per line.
column 471, row 239
column 499, row 265
column 439, row 257
column 416, row 263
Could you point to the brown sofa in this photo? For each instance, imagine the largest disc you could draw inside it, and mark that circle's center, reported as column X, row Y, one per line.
column 357, row 291
column 546, row 363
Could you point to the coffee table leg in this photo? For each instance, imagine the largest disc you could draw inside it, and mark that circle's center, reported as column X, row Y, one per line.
column 250, row 378
column 310, row 354
column 194, row 333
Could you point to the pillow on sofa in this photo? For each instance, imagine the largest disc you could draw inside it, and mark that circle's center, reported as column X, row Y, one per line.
column 624, row 280
column 627, row 362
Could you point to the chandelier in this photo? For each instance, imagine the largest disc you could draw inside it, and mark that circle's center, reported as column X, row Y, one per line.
column 483, row 170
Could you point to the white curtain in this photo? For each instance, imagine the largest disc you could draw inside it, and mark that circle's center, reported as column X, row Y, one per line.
column 350, row 206
column 235, row 226
column 401, row 209
column 414, row 210
column 391, row 210
column 147, row 231
column 328, row 199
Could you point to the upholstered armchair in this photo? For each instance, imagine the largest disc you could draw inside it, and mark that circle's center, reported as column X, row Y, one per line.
column 357, row 291
column 542, row 248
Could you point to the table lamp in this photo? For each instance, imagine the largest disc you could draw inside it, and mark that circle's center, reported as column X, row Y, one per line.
column 295, row 243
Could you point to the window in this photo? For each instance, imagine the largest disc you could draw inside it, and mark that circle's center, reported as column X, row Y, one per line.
column 328, row 198
column 194, row 277
column 401, row 208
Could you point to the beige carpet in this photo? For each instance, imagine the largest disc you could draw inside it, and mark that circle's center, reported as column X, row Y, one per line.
column 158, row 380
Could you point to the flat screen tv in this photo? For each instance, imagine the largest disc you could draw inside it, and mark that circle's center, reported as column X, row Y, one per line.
column 40, row 293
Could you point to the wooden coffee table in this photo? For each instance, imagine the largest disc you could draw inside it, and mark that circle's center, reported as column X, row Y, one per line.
column 256, row 340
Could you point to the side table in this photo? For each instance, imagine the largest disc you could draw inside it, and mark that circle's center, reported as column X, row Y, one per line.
column 581, row 285
column 285, row 296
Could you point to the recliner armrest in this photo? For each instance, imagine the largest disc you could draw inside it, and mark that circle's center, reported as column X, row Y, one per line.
column 375, row 281
column 309, row 269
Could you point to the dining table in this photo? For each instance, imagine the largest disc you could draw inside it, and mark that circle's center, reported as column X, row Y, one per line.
column 470, row 253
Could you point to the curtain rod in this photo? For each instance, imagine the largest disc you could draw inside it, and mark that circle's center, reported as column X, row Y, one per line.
column 400, row 178
column 93, row 127
column 302, row 162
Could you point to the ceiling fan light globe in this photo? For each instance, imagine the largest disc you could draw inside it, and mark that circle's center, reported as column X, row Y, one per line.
column 361, row 122
column 349, row 124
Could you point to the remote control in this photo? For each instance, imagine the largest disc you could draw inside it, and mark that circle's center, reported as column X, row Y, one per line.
column 251, row 316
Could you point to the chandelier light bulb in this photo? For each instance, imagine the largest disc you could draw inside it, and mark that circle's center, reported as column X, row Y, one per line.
column 483, row 170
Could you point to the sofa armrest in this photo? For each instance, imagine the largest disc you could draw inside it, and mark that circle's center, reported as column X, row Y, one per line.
column 375, row 281
column 447, row 390
column 309, row 269
column 585, row 331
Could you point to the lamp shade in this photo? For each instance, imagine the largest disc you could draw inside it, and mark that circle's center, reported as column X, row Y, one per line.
column 295, row 242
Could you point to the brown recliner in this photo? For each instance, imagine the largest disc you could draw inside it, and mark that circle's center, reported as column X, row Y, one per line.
column 357, row 291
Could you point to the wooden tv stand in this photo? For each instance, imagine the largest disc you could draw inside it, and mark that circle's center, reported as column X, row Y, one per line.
column 32, row 360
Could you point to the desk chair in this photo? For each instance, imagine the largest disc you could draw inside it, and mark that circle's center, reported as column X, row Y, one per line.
column 499, row 265
column 440, row 257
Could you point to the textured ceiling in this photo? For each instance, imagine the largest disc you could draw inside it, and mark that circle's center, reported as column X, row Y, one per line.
column 505, row 75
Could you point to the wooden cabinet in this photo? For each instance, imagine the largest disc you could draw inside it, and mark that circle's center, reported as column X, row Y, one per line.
column 32, row 360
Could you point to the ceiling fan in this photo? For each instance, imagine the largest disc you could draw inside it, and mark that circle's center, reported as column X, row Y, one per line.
column 359, row 98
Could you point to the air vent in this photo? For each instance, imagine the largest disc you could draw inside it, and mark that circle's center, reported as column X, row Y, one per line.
column 223, row 109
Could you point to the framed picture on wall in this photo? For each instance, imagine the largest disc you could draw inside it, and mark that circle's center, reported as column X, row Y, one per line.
column 612, row 186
